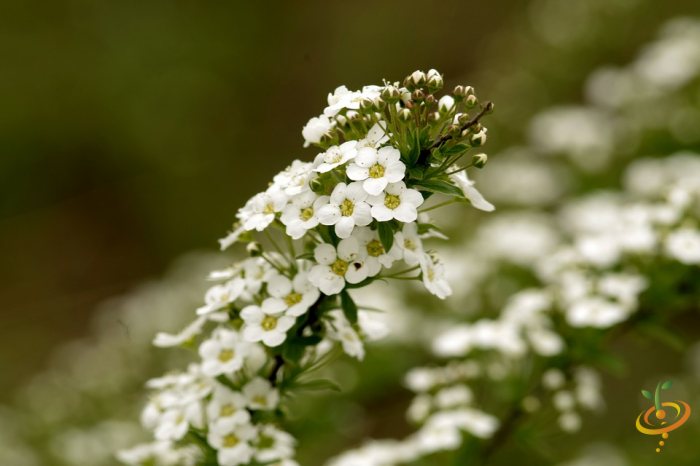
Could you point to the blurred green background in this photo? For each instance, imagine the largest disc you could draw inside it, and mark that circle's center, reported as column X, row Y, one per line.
column 130, row 132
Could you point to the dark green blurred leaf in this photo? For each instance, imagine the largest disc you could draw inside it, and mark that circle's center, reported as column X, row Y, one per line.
column 349, row 307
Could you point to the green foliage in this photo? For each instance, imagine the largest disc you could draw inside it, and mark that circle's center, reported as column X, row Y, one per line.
column 386, row 235
column 667, row 385
column 349, row 307
column 647, row 395
column 439, row 186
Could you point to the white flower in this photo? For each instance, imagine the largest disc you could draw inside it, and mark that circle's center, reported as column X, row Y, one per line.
column 338, row 266
column 439, row 433
column 223, row 353
column 376, row 136
column 553, row 379
column 260, row 211
column 343, row 98
column 227, row 407
column 470, row 192
column 564, row 400
column 346, row 209
column 297, row 294
column 376, row 255
column 684, row 246
column 294, row 179
column 434, row 277
column 232, row 443
column 302, row 214
column 449, row 397
column 273, row 444
column 260, row 394
column 341, row 330
column 570, row 422
column 377, row 168
column 315, row 128
column 232, row 237
column 256, row 270
column 166, row 340
column 175, row 422
column 545, row 342
column 595, row 312
column 397, row 202
column 220, row 296
column 266, row 323
column 160, row 453
column 335, row 156
column 410, row 244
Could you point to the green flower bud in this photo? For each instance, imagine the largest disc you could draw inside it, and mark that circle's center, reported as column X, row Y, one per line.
column 463, row 119
column 471, row 101
column 391, row 95
column 353, row 116
column 328, row 138
column 418, row 95
column 434, row 80
column 405, row 116
column 479, row 160
column 366, row 105
column 461, row 92
column 254, row 249
column 379, row 104
column 430, row 101
column 316, row 185
column 479, row 139
column 489, row 108
column 417, row 78
column 434, row 117
column 454, row 130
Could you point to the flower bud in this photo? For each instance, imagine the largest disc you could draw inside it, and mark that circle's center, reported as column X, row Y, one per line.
column 434, row 80
column 479, row 160
column 463, row 119
column 479, row 139
column 471, row 101
column 410, row 104
column 353, row 116
column 488, row 108
column 405, row 116
column 254, row 249
column 341, row 120
column 316, row 185
column 477, row 128
column 446, row 103
column 366, row 105
column 461, row 92
column 328, row 138
column 430, row 100
column 418, row 95
column 390, row 94
column 379, row 104
column 434, row 117
column 417, row 78
column 454, row 130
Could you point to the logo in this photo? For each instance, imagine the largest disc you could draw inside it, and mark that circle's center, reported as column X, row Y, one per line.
column 661, row 425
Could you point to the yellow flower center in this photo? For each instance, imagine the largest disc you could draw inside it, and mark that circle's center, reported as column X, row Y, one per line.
column 227, row 410
column 292, row 299
column 269, row 323
column 347, row 207
column 375, row 248
column 230, row 441
column 376, row 171
column 261, row 400
column 392, row 201
column 269, row 209
column 306, row 214
column 339, row 267
column 409, row 244
column 225, row 355
column 431, row 274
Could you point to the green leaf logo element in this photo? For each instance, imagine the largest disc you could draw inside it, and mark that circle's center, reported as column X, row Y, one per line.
column 667, row 384
column 647, row 394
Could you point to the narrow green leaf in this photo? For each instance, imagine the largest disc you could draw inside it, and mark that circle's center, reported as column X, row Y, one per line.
column 667, row 385
column 416, row 173
column 386, row 235
column 426, row 227
column 424, row 136
column 647, row 395
column 349, row 307
column 319, row 384
column 306, row 256
column 293, row 352
column 439, row 186
column 457, row 149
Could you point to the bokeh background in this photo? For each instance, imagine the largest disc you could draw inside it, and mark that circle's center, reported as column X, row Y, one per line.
column 130, row 132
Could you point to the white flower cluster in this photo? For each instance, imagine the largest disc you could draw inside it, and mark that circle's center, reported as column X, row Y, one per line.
column 333, row 225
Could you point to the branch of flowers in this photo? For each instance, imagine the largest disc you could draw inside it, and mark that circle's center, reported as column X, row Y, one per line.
column 487, row 108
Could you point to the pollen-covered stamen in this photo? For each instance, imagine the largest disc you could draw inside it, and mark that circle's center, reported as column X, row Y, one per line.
column 376, row 171
column 227, row 410
column 293, row 298
column 392, row 201
column 225, row 355
column 306, row 214
column 265, row 442
column 269, row 323
column 375, row 248
column 409, row 244
column 339, row 267
column 230, row 441
column 269, row 209
column 347, row 208
column 261, row 400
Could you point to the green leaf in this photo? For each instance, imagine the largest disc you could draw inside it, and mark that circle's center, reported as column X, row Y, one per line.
column 424, row 137
column 386, row 235
column 293, row 352
column 457, row 149
column 416, row 173
column 413, row 149
column 426, row 194
column 319, row 384
column 349, row 307
column 439, row 186
column 426, row 227
column 306, row 256
column 647, row 395
column 667, row 385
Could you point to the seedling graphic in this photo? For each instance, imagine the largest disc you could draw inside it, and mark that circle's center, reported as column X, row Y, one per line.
column 664, row 428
